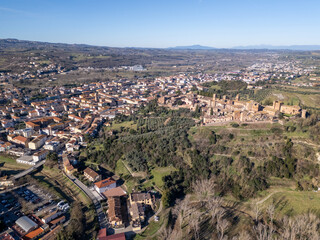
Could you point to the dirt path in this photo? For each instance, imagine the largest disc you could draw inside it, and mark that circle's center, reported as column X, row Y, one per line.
column 307, row 143
column 266, row 198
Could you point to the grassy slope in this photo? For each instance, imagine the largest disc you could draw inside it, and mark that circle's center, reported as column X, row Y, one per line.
column 283, row 191
column 309, row 97
column 126, row 124
column 286, row 199
column 130, row 182
column 62, row 184
column 10, row 162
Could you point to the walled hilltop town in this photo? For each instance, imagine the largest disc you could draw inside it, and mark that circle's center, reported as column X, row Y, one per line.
column 216, row 110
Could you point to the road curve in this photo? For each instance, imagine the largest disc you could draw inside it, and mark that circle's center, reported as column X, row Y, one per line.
column 28, row 171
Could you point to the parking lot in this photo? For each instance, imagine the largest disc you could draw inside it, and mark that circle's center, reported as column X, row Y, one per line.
column 32, row 198
column 9, row 208
column 23, row 200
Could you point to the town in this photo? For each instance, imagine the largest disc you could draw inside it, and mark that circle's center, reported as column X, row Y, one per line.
column 63, row 121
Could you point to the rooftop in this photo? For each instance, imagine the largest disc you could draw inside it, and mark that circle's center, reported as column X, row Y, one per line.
column 26, row 223
column 105, row 182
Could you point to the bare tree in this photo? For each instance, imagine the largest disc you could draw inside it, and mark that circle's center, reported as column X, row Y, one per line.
column 194, row 223
column 165, row 233
column 270, row 212
column 204, row 189
column 257, row 212
column 185, row 207
column 262, row 232
column 304, row 226
column 222, row 226
column 214, row 202
column 220, row 213
column 244, row 236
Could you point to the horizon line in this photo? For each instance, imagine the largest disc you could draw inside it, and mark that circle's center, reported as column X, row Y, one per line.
column 239, row 47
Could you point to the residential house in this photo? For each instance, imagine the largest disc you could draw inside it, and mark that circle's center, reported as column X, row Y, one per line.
column 5, row 146
column 115, row 192
column 105, row 185
column 41, row 155
column 37, row 142
column 91, row 175
column 19, row 140
column 68, row 168
column 114, row 211
column 137, row 213
column 102, row 235
column 141, row 197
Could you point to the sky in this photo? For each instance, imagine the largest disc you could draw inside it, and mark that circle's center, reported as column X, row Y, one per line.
column 163, row 23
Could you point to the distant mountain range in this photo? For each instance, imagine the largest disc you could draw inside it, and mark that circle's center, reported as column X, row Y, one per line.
column 192, row 47
column 4, row 43
column 252, row 47
column 291, row 47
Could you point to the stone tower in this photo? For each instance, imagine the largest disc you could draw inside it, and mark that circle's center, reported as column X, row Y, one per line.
column 304, row 113
column 277, row 105
column 214, row 98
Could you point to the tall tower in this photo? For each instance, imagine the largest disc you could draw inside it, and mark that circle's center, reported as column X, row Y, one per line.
column 237, row 97
column 304, row 113
column 277, row 105
column 96, row 98
column 214, row 100
column 214, row 97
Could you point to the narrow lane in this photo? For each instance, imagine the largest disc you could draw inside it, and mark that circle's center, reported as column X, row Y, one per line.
column 102, row 218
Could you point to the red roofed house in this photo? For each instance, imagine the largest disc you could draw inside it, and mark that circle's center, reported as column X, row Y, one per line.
column 115, row 192
column 102, row 235
column 105, row 185
column 20, row 140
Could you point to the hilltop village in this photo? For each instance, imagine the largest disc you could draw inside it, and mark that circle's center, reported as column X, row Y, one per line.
column 224, row 110
column 63, row 119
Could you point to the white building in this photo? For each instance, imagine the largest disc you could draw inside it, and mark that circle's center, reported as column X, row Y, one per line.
column 105, row 185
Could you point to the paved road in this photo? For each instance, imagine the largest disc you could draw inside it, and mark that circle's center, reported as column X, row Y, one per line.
column 102, row 218
column 28, row 171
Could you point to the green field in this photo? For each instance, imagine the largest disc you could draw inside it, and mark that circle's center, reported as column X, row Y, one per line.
column 291, row 202
column 9, row 163
column 153, row 228
column 121, row 169
column 159, row 172
column 286, row 199
column 126, row 124
column 134, row 181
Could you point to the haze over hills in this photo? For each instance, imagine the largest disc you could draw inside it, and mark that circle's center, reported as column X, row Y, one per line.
column 9, row 42
column 252, row 47
column 192, row 47
column 289, row 47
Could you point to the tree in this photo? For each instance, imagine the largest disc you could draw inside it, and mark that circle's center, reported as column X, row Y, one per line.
column 75, row 228
column 222, row 226
column 195, row 224
column 270, row 212
column 257, row 212
column 166, row 199
column 204, row 189
column 52, row 159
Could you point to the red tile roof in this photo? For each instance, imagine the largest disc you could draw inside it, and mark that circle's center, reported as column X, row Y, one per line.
column 105, row 182
column 115, row 192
